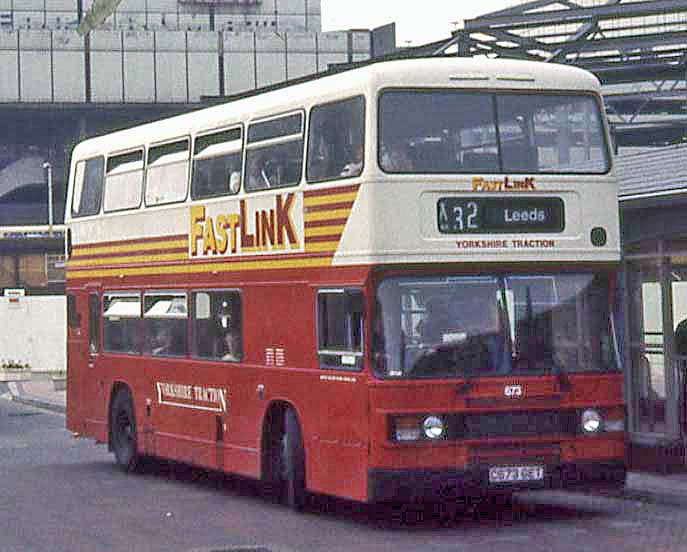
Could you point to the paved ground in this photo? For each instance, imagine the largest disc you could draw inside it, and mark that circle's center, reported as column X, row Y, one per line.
column 64, row 495
column 668, row 490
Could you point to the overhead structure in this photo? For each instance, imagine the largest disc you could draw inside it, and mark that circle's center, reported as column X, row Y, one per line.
column 637, row 48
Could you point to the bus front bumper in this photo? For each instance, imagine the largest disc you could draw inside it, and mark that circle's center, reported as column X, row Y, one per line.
column 474, row 481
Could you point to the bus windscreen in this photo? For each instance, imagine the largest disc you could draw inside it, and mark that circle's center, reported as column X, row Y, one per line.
column 455, row 132
column 478, row 326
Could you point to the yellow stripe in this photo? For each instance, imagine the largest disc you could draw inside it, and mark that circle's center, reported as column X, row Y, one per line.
column 125, row 260
column 201, row 269
column 327, row 215
column 326, row 200
column 323, row 231
column 321, row 247
column 129, row 248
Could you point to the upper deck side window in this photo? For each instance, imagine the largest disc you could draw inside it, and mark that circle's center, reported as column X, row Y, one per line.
column 124, row 181
column 453, row 132
column 336, row 140
column 274, row 153
column 217, row 163
column 88, row 187
column 167, row 172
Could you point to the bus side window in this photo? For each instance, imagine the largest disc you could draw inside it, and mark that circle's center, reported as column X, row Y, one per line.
column 167, row 172
column 88, row 187
column 336, row 140
column 274, row 154
column 340, row 328
column 217, row 164
column 73, row 316
column 217, row 325
column 166, row 323
column 122, row 323
column 93, row 323
column 124, row 181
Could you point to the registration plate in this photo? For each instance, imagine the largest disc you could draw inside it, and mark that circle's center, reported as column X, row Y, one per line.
column 513, row 474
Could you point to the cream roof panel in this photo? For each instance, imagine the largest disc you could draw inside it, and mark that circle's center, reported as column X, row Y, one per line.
column 424, row 72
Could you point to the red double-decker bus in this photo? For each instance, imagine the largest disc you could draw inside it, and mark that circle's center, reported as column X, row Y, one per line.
column 390, row 281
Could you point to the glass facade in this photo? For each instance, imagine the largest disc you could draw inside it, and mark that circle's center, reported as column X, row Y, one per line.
column 656, row 352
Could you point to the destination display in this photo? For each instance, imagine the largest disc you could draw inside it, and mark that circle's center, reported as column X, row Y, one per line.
column 485, row 215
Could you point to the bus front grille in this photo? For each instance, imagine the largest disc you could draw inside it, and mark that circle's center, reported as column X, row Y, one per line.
column 512, row 424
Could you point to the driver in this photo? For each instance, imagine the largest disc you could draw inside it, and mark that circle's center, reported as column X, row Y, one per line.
column 436, row 321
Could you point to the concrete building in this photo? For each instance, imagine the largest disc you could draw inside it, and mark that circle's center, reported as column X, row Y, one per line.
column 148, row 60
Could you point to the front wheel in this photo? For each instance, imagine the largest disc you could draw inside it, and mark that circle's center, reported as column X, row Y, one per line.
column 123, row 432
column 292, row 462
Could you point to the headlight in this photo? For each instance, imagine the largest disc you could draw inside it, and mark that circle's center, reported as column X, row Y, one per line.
column 434, row 427
column 591, row 421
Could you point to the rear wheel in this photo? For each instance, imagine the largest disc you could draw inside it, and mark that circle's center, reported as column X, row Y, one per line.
column 123, row 431
column 292, row 462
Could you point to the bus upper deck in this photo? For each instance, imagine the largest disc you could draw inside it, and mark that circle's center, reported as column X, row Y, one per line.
column 432, row 160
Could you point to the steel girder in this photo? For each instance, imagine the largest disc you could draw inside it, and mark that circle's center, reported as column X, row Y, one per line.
column 636, row 42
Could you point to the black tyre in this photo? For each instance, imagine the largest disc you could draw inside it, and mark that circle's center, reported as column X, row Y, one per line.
column 292, row 462
column 123, row 432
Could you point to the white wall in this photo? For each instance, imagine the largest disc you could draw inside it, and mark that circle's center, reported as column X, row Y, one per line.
column 35, row 331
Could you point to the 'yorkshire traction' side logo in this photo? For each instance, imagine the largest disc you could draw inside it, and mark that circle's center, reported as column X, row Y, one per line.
column 257, row 225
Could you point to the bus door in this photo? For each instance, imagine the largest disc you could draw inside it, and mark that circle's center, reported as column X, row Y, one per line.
column 340, row 397
column 85, row 390
column 77, row 359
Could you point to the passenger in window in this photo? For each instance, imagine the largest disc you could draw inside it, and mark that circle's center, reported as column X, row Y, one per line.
column 231, row 349
column 164, row 342
column 355, row 165
column 320, row 163
column 397, row 158
column 258, row 175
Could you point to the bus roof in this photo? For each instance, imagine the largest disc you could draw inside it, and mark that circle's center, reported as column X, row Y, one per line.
column 435, row 72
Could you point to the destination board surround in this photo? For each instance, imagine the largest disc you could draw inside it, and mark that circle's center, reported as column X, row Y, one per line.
column 486, row 215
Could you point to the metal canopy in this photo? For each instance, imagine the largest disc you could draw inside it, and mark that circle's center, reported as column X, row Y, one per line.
column 637, row 48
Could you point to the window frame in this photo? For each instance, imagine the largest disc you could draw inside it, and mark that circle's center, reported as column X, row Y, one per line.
column 51, row 262
column 241, row 151
column 147, row 326
column 249, row 146
column 495, row 94
column 325, row 354
column 73, row 314
column 109, row 294
column 147, row 165
column 193, row 349
column 363, row 142
column 85, row 161
column 142, row 149
column 95, row 312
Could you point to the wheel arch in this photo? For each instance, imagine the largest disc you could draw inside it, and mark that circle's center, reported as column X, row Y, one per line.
column 273, row 425
column 117, row 387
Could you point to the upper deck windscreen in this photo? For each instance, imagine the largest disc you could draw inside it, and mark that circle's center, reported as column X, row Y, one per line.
column 454, row 132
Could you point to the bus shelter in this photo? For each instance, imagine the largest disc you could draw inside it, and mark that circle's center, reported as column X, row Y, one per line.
column 653, row 202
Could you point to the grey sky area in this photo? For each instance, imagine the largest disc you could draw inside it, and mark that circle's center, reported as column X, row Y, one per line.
column 416, row 22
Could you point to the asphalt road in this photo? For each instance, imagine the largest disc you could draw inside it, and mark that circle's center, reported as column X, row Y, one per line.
column 62, row 494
